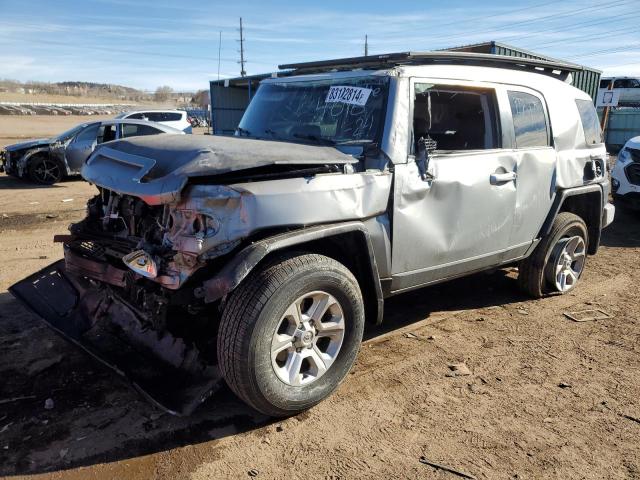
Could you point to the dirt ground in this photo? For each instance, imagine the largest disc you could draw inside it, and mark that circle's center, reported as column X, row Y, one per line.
column 546, row 397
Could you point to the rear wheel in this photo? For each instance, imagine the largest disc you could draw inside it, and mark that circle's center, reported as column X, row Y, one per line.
column 44, row 170
column 290, row 333
column 558, row 261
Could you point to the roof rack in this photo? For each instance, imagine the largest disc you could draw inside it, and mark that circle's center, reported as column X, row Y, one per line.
column 554, row 68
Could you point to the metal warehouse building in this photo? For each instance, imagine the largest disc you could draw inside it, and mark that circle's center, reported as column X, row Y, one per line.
column 230, row 97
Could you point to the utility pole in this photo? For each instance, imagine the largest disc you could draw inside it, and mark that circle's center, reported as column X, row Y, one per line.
column 366, row 45
column 242, row 70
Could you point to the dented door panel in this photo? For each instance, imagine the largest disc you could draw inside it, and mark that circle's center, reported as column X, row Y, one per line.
column 457, row 217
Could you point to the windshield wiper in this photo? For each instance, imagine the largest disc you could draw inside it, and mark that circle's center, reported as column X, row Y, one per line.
column 355, row 142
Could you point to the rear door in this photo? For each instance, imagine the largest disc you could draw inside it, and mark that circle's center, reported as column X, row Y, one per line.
column 458, row 218
column 536, row 163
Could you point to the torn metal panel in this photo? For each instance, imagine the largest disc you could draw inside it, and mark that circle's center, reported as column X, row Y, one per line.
column 168, row 371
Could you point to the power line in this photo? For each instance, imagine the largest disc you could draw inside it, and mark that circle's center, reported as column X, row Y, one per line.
column 608, row 51
column 588, row 23
column 537, row 19
column 611, row 33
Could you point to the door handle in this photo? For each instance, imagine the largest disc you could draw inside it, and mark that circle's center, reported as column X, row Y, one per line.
column 497, row 178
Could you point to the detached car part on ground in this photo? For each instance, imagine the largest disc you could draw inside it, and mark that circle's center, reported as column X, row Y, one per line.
column 625, row 177
column 257, row 260
column 49, row 160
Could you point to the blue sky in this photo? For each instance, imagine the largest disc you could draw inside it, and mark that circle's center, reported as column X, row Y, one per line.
column 146, row 43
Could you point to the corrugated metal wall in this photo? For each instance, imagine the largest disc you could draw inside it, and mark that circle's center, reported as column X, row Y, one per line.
column 623, row 124
column 227, row 107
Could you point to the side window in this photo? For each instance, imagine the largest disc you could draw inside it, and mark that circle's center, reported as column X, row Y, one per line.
column 634, row 83
column 172, row 116
column 605, row 83
column 106, row 133
column 456, row 118
column 154, row 116
column 136, row 116
column 529, row 120
column 620, row 83
column 589, row 120
column 89, row 134
column 133, row 130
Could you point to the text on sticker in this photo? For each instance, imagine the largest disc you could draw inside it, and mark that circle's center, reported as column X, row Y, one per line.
column 350, row 95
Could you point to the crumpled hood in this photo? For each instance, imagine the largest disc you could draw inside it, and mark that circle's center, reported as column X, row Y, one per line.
column 157, row 167
column 29, row 144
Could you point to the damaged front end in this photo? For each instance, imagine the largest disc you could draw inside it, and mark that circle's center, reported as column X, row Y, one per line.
column 117, row 295
column 134, row 288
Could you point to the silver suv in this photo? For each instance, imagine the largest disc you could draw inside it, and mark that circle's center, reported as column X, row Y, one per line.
column 257, row 259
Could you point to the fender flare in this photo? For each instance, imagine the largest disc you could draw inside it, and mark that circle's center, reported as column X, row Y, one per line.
column 556, row 207
column 243, row 262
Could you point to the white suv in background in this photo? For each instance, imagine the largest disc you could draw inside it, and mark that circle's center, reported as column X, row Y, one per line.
column 172, row 118
column 629, row 88
column 625, row 176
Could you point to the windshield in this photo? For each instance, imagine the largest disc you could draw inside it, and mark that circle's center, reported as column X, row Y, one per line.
column 333, row 111
column 64, row 136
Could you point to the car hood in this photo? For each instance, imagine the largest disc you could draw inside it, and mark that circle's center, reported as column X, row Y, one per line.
column 30, row 144
column 156, row 168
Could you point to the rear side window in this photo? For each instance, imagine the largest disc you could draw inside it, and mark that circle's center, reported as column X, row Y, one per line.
column 589, row 120
column 529, row 120
column 134, row 130
column 136, row 116
column 163, row 116
column 172, row 117
column 153, row 116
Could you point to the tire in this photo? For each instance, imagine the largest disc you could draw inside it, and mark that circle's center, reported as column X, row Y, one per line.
column 538, row 274
column 254, row 319
column 44, row 171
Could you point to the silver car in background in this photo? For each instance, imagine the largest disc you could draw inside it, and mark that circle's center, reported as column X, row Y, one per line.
column 49, row 160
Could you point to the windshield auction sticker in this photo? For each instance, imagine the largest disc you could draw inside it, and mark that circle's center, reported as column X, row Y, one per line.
column 350, row 95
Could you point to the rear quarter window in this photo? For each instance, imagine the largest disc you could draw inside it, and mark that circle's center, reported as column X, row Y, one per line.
column 529, row 120
column 172, row 117
column 589, row 121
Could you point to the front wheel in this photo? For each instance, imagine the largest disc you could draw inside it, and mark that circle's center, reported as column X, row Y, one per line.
column 557, row 263
column 44, row 170
column 290, row 333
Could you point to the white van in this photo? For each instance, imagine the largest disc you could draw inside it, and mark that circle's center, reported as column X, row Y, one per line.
column 172, row 118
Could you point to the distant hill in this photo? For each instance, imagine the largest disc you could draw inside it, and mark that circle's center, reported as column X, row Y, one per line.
column 76, row 89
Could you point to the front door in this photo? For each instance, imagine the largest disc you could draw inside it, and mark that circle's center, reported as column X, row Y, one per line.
column 459, row 216
column 81, row 147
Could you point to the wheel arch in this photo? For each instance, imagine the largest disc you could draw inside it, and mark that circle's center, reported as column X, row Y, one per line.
column 34, row 154
column 586, row 202
column 337, row 241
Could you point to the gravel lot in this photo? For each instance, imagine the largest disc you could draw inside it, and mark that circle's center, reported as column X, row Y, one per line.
column 545, row 397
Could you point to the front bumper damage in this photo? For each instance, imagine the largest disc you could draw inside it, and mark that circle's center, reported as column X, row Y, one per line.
column 164, row 368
